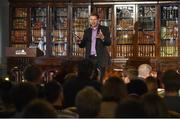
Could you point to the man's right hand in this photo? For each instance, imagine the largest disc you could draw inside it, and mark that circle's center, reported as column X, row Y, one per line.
column 77, row 39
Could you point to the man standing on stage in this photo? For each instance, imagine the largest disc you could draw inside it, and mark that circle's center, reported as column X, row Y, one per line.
column 95, row 40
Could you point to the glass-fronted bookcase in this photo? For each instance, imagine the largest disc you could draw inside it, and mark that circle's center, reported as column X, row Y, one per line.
column 124, row 30
column 50, row 27
column 139, row 30
column 80, row 21
column 169, row 30
column 59, row 34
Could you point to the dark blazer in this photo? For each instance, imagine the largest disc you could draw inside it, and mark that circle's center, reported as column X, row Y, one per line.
column 101, row 50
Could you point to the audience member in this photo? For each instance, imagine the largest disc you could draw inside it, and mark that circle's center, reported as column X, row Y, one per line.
column 33, row 75
column 127, row 93
column 137, row 88
column 131, row 108
column 88, row 102
column 22, row 94
column 7, row 108
column 114, row 90
column 171, row 81
column 111, row 72
column 129, row 74
column 54, row 95
column 152, row 84
column 69, row 77
column 66, row 68
column 84, row 78
column 39, row 109
column 155, row 105
column 144, row 70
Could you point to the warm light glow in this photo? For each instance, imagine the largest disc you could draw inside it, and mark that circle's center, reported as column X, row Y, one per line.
column 118, row 69
column 6, row 78
column 23, row 80
column 125, row 36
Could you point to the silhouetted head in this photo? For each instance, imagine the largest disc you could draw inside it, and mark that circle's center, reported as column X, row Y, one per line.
column 114, row 89
column 32, row 73
column 130, row 108
column 39, row 109
column 86, row 68
column 88, row 102
column 22, row 94
column 137, row 87
column 53, row 90
column 171, row 81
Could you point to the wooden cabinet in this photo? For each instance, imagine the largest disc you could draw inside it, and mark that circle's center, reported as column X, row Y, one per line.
column 141, row 32
column 145, row 32
column 49, row 26
column 19, row 27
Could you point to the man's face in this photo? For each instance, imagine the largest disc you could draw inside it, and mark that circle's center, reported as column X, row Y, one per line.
column 93, row 21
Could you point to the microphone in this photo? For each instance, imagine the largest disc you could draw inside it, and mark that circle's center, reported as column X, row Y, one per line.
column 77, row 36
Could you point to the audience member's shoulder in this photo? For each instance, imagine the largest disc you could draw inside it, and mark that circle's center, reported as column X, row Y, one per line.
column 67, row 114
column 70, row 83
column 173, row 98
column 96, row 82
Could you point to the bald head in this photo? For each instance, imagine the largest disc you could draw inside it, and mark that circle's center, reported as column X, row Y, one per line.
column 144, row 70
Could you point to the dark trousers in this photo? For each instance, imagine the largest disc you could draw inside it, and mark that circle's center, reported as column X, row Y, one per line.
column 98, row 67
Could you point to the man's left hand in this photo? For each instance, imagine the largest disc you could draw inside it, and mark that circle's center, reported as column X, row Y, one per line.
column 100, row 35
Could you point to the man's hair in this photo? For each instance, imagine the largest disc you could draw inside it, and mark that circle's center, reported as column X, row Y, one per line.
column 39, row 108
column 5, row 88
column 154, row 105
column 114, row 89
column 95, row 14
column 85, row 68
column 88, row 102
column 22, row 94
column 129, row 108
column 52, row 90
column 171, row 80
column 152, row 84
column 144, row 70
column 137, row 86
column 32, row 73
column 132, row 73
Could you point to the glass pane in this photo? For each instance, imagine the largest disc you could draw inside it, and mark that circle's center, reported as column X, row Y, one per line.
column 146, row 17
column 38, row 27
column 19, row 26
column 146, row 30
column 59, row 34
column 169, row 31
column 80, row 23
column 125, row 18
